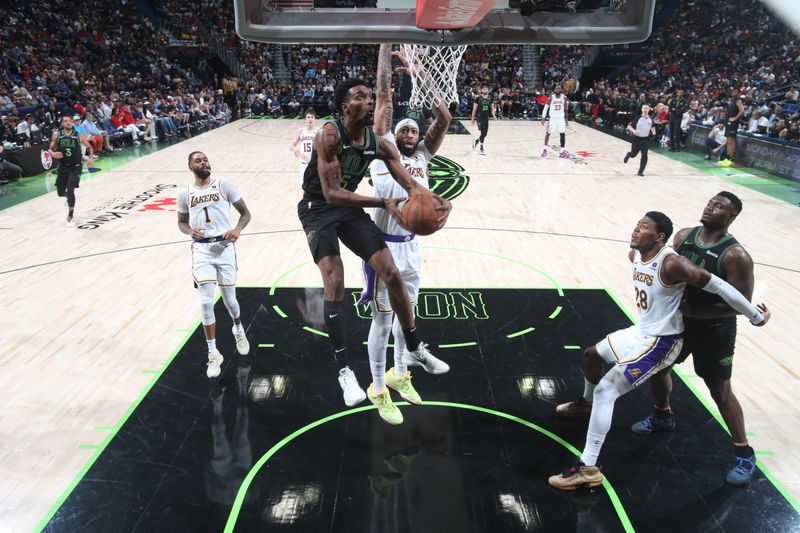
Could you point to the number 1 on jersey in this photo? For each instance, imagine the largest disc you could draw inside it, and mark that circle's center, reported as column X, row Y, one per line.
column 208, row 218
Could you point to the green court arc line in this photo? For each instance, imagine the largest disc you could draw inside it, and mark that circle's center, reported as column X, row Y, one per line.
column 279, row 310
column 89, row 446
column 519, row 333
column 764, row 453
column 459, row 344
column 571, row 347
column 266, row 345
column 555, row 313
column 182, row 330
column 102, row 446
column 279, row 278
column 105, row 428
column 689, row 385
column 240, row 495
column 151, row 371
column 315, row 331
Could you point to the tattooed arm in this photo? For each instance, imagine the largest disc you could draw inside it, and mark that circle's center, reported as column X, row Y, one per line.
column 383, row 92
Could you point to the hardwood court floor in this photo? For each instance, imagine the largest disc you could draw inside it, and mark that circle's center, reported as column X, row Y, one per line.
column 90, row 313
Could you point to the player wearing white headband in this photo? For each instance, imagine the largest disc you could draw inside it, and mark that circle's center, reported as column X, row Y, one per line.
column 415, row 156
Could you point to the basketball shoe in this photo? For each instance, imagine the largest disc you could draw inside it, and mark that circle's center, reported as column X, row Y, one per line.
column 742, row 471
column 652, row 423
column 482, row 151
column 578, row 407
column 353, row 394
column 242, row 344
column 475, row 144
column 213, row 366
column 386, row 407
column 544, row 152
column 564, row 154
column 402, row 384
column 422, row 357
column 71, row 222
column 576, row 477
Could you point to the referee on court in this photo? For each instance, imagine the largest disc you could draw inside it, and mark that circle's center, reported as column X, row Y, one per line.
column 641, row 126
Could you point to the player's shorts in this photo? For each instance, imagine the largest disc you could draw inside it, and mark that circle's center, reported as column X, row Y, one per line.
column 303, row 167
column 326, row 225
column 407, row 259
column 731, row 130
column 214, row 262
column 557, row 125
column 66, row 176
column 711, row 344
column 641, row 356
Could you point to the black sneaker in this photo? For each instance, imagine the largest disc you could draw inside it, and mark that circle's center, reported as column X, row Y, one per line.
column 475, row 144
column 627, row 156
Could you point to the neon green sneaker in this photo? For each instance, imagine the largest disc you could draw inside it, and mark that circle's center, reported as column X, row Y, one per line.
column 403, row 386
column 386, row 408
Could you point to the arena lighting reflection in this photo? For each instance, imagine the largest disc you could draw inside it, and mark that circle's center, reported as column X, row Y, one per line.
column 293, row 502
column 526, row 514
column 266, row 387
column 531, row 386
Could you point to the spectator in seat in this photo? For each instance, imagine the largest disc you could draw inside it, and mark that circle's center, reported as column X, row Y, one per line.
column 716, row 141
column 757, row 123
column 28, row 131
column 118, row 123
column 96, row 136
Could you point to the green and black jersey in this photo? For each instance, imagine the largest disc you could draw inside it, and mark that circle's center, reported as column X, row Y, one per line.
column 707, row 256
column 353, row 159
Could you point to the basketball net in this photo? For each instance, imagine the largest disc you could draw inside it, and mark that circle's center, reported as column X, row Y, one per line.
column 433, row 71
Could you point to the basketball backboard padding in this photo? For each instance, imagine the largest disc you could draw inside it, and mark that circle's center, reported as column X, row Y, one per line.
column 261, row 20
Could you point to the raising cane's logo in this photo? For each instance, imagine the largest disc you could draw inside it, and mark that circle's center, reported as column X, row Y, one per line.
column 47, row 160
column 124, row 208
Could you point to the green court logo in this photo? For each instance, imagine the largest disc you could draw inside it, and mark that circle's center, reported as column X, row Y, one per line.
column 440, row 305
column 446, row 178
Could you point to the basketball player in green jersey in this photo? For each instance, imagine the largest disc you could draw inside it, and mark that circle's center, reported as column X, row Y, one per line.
column 65, row 145
column 482, row 108
column 331, row 210
column 710, row 328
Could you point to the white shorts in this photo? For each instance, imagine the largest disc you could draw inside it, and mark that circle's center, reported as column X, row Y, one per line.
column 406, row 257
column 641, row 356
column 214, row 263
column 303, row 167
column 557, row 125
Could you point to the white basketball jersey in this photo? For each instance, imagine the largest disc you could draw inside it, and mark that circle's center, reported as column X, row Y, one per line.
column 558, row 103
column 658, row 304
column 386, row 187
column 209, row 208
column 306, row 144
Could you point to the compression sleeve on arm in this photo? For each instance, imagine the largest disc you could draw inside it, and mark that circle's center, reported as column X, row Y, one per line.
column 733, row 298
column 545, row 110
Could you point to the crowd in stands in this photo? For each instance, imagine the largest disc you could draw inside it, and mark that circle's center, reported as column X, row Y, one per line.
column 707, row 49
column 110, row 65
column 98, row 61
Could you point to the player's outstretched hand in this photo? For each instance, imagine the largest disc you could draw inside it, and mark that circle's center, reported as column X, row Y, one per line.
column 444, row 209
column 232, row 235
column 391, row 205
column 764, row 311
column 198, row 233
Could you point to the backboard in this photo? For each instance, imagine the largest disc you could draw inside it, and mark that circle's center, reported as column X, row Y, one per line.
column 552, row 22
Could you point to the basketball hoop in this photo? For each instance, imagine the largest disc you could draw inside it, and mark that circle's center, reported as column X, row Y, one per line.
column 433, row 71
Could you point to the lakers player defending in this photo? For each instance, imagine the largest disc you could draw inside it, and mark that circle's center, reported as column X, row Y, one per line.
column 642, row 350
column 304, row 141
column 204, row 213
column 557, row 123
column 403, row 245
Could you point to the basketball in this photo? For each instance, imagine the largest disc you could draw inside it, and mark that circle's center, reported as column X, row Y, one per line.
column 419, row 214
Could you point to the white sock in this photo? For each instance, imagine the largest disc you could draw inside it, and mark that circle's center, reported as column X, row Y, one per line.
column 212, row 345
column 399, row 348
column 588, row 390
column 594, row 442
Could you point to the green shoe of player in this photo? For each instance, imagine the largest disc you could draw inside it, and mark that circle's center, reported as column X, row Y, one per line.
column 402, row 384
column 386, row 408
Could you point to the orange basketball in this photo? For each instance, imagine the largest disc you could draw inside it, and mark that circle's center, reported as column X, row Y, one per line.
column 419, row 214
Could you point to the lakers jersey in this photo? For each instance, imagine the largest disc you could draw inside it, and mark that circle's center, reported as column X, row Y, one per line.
column 386, row 186
column 557, row 105
column 209, row 207
column 658, row 304
column 306, row 144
